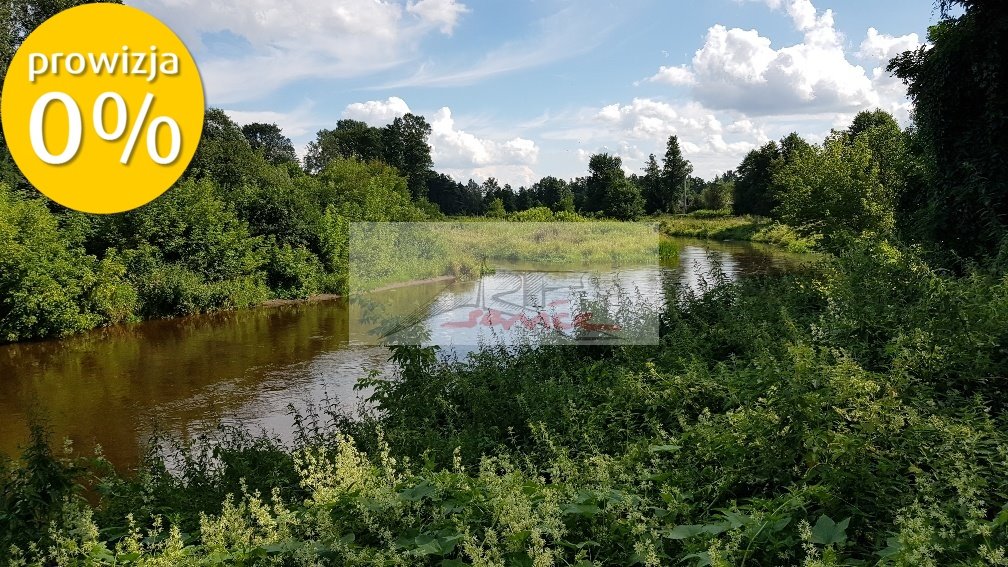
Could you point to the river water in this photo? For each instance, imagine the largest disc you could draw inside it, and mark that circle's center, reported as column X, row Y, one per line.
column 185, row 376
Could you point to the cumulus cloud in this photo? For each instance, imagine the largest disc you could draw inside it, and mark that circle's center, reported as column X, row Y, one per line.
column 673, row 76
column 741, row 70
column 644, row 125
column 275, row 43
column 882, row 47
column 377, row 112
column 456, row 148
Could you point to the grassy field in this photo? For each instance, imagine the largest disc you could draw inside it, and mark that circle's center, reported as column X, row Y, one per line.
column 386, row 253
column 750, row 229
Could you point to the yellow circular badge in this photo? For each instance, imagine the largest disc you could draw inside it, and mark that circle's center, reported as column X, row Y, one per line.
column 102, row 108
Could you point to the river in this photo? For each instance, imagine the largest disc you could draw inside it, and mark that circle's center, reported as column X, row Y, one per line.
column 185, row 376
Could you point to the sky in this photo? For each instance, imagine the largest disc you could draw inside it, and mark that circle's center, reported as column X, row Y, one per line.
column 521, row 89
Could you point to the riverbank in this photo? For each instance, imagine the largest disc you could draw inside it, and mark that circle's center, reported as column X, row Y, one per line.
column 333, row 296
column 768, row 427
column 730, row 228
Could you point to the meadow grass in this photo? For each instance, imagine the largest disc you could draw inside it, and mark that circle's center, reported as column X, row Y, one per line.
column 745, row 228
column 387, row 253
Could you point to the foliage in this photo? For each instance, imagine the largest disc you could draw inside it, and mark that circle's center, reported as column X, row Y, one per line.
column 835, row 190
column 774, row 424
column 718, row 196
column 716, row 225
column 754, row 188
column 957, row 83
column 48, row 285
column 609, row 192
column 276, row 148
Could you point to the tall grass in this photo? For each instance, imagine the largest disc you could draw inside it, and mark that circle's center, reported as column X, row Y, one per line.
column 385, row 253
column 747, row 228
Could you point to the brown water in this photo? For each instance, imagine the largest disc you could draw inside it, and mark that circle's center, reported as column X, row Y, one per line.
column 185, row 376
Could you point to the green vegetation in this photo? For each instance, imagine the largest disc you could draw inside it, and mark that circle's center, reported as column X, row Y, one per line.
column 715, row 226
column 844, row 412
column 382, row 254
column 850, row 412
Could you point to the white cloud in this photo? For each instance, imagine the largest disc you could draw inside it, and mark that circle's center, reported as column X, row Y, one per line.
column 454, row 148
column 882, row 47
column 279, row 43
column 377, row 112
column 741, row 70
column 673, row 76
column 643, row 126
column 442, row 13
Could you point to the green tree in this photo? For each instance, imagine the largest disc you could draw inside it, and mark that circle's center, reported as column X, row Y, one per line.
column 676, row 171
column 887, row 143
column 406, row 149
column 754, row 188
column 552, row 192
column 224, row 154
column 49, row 287
column 717, row 195
column 609, row 192
column 268, row 139
column 189, row 252
column 350, row 139
column 496, row 209
column 834, row 190
column 652, row 186
column 957, row 82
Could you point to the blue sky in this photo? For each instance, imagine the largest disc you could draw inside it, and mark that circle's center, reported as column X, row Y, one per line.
column 519, row 89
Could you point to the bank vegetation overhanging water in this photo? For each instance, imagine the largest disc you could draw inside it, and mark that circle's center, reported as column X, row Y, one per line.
column 850, row 412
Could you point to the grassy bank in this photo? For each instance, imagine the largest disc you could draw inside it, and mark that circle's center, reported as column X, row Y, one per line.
column 747, row 228
column 848, row 413
column 387, row 253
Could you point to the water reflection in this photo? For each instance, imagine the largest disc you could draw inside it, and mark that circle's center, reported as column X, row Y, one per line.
column 246, row 367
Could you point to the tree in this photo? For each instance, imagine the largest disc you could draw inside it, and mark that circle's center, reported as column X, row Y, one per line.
column 496, row 209
column 834, row 190
column 49, row 287
column 676, row 171
column 753, row 190
column 957, row 82
column 268, row 139
column 552, row 192
column 717, row 195
column 350, row 139
column 609, row 192
column 224, row 155
column 651, row 186
column 406, row 149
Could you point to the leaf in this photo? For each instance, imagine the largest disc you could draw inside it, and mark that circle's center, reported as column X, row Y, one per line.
column 582, row 509
column 416, row 493
column 828, row 532
column 685, row 531
column 892, row 548
column 702, row 559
